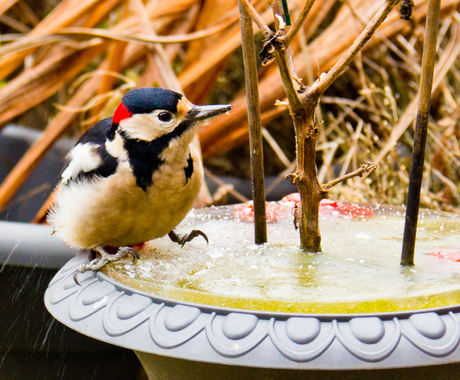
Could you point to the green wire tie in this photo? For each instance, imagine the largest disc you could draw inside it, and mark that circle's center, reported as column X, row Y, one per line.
column 287, row 16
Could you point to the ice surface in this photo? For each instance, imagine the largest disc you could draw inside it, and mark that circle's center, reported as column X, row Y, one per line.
column 358, row 270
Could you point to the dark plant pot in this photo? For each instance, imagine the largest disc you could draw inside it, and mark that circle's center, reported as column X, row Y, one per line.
column 176, row 340
column 32, row 344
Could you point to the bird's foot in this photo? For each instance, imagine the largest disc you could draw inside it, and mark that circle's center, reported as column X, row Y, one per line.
column 182, row 239
column 99, row 262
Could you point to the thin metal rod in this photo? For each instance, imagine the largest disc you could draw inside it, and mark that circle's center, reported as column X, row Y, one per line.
column 255, row 126
column 421, row 130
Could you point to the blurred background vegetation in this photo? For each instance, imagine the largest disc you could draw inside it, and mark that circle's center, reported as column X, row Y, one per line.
column 65, row 64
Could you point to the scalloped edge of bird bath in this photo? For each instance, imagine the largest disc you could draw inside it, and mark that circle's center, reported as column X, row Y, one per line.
column 105, row 309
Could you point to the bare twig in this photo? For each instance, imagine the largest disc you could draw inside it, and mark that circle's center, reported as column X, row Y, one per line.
column 326, row 80
column 285, row 64
column 295, row 104
column 367, row 167
column 302, row 105
column 298, row 23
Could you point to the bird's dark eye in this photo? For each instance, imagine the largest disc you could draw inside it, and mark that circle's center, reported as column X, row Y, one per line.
column 165, row 117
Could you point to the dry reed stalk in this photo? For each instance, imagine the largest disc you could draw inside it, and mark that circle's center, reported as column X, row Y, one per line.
column 115, row 53
column 212, row 56
column 56, row 127
column 14, row 24
column 148, row 77
column 64, row 14
column 28, row 13
column 88, row 19
column 212, row 12
column 157, row 56
column 316, row 16
column 71, row 11
column 49, row 71
column 6, row 4
column 41, row 82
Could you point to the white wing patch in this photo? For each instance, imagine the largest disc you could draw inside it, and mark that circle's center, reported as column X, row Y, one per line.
column 83, row 158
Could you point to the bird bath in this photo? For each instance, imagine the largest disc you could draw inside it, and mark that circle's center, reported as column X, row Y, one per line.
column 273, row 306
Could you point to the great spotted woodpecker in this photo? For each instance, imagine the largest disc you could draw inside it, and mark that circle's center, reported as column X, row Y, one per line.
column 133, row 177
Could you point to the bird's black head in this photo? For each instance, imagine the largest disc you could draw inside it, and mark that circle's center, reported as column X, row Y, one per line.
column 144, row 101
column 147, row 100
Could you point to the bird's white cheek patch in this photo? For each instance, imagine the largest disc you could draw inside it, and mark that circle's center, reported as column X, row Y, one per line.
column 146, row 127
column 83, row 158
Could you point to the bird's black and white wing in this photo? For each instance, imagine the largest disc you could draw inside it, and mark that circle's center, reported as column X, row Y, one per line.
column 89, row 157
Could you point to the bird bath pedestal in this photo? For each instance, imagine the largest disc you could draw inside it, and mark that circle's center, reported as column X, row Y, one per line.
column 233, row 309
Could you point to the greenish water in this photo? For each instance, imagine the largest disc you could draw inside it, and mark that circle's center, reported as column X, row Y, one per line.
column 357, row 272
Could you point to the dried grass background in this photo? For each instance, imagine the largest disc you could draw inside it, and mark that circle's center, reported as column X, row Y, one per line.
column 67, row 65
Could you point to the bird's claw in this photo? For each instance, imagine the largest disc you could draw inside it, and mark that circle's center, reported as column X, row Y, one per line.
column 122, row 252
column 100, row 262
column 182, row 239
column 94, row 266
column 192, row 235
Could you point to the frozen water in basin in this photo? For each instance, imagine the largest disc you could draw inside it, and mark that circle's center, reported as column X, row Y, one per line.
column 358, row 270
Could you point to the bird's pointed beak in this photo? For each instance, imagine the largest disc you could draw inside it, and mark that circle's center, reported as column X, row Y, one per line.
column 198, row 113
